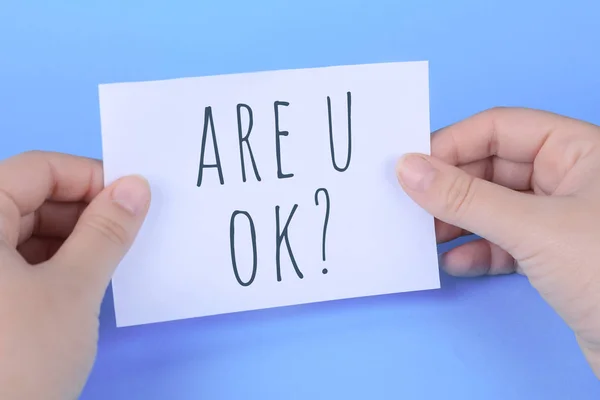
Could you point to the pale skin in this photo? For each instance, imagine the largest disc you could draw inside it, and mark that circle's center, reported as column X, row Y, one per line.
column 526, row 181
column 57, row 254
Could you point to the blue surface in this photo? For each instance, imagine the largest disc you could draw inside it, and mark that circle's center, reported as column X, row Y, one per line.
column 473, row 339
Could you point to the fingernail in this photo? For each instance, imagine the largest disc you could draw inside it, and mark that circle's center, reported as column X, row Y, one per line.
column 415, row 172
column 132, row 194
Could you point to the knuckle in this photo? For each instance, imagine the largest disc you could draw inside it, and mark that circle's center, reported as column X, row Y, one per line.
column 492, row 115
column 33, row 153
column 496, row 110
column 109, row 229
column 460, row 194
column 35, row 157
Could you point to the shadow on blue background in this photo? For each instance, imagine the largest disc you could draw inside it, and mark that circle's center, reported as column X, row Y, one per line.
column 491, row 338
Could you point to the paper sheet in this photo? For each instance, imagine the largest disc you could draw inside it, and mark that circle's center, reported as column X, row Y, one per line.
column 270, row 188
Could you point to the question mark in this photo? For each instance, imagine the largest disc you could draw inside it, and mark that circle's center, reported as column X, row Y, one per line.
column 326, row 219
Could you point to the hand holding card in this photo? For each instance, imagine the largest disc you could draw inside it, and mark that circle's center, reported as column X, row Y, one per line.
column 270, row 188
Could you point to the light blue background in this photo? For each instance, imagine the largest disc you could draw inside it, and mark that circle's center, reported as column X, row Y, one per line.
column 491, row 338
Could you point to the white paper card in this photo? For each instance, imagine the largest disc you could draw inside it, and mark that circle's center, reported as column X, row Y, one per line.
column 311, row 222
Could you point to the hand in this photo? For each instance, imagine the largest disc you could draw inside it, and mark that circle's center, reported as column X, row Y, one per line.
column 57, row 255
column 528, row 183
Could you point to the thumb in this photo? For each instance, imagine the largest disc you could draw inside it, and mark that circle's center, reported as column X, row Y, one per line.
column 104, row 234
column 490, row 211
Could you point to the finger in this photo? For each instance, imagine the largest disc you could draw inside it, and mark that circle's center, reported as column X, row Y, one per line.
column 507, row 173
column 104, row 234
column 29, row 179
column 510, row 174
column 445, row 232
column 515, row 134
column 457, row 198
column 37, row 250
column 52, row 219
column 477, row 258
